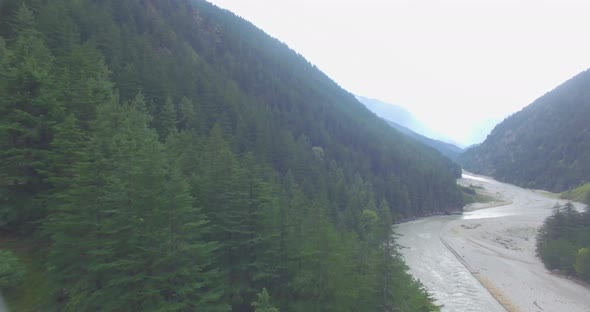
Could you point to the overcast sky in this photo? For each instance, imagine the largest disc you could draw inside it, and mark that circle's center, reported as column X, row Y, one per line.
column 454, row 64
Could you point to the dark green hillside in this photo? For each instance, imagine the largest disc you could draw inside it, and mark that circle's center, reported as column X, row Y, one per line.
column 447, row 149
column 546, row 145
column 170, row 156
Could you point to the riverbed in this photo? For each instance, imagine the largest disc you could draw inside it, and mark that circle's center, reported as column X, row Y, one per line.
column 485, row 260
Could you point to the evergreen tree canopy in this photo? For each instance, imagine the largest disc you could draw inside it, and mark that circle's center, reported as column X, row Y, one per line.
column 564, row 239
column 173, row 157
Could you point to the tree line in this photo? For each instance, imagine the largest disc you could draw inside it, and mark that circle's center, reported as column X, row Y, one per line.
column 563, row 241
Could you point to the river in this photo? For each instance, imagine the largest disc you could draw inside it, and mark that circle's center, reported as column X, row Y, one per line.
column 447, row 279
column 455, row 256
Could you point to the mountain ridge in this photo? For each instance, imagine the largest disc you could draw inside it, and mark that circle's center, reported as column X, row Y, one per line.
column 448, row 150
column 546, row 145
column 392, row 112
column 402, row 120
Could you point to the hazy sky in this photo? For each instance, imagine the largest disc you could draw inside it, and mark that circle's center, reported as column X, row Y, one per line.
column 454, row 64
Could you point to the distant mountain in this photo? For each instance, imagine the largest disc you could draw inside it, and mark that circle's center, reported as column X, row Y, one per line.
column 546, row 145
column 482, row 129
column 447, row 149
column 406, row 123
column 394, row 113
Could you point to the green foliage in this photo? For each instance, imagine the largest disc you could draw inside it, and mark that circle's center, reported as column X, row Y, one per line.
column 167, row 119
column 263, row 303
column 151, row 236
column 175, row 158
column 3, row 52
column 582, row 264
column 544, row 146
column 32, row 293
column 563, row 241
column 475, row 194
column 579, row 194
column 559, row 254
column 29, row 112
column 12, row 271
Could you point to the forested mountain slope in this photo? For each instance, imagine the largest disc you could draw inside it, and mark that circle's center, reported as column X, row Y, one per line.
column 173, row 157
column 447, row 149
column 546, row 145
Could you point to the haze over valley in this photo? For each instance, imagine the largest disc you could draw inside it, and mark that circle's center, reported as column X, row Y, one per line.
column 450, row 63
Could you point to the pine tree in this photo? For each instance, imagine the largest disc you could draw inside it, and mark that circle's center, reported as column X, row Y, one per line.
column 3, row 52
column 322, row 280
column 168, row 119
column 28, row 113
column 66, row 151
column 187, row 229
column 263, row 302
column 143, row 240
column 190, row 118
column 235, row 200
column 83, row 82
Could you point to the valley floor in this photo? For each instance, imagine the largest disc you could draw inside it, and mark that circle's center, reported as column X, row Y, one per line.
column 497, row 247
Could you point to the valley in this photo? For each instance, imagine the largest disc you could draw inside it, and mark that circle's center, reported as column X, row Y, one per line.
column 173, row 156
column 485, row 259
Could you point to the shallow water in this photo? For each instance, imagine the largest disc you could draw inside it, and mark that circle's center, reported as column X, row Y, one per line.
column 476, row 178
column 452, row 284
column 445, row 277
column 430, row 261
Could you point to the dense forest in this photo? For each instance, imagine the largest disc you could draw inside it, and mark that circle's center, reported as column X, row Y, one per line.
column 563, row 241
column 170, row 156
column 544, row 146
column 446, row 149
